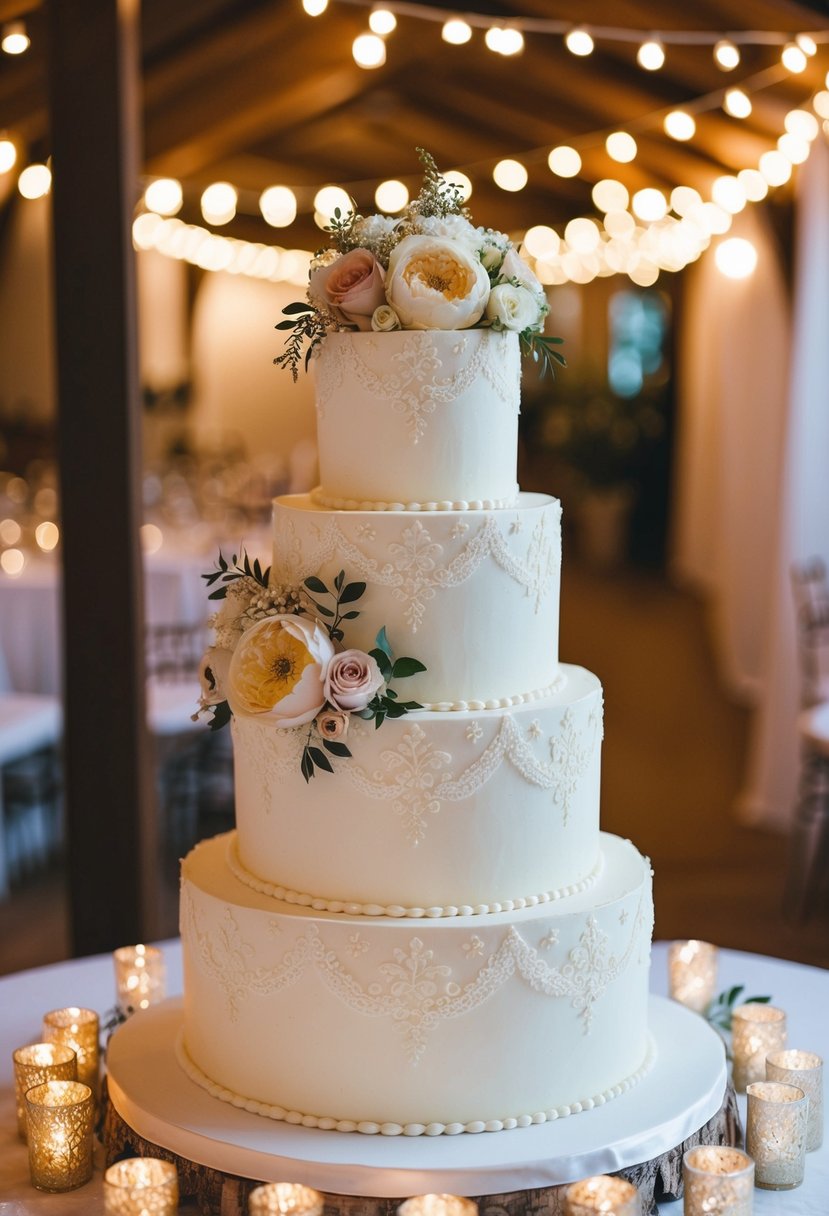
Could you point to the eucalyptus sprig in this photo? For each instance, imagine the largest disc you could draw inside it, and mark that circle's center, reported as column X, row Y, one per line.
column 721, row 1009
column 308, row 325
column 386, row 704
column 343, row 593
column 229, row 571
column 541, row 349
column 437, row 195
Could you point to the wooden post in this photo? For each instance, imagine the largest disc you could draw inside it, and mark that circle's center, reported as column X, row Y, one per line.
column 93, row 88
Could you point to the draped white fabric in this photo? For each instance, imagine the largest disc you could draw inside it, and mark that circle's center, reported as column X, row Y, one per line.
column 752, row 483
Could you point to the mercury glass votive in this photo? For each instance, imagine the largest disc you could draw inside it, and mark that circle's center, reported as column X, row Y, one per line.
column 602, row 1194
column 36, row 1063
column 776, row 1134
column 78, row 1029
column 276, row 1198
column 437, row 1205
column 692, row 973
column 60, row 1117
column 140, row 978
column 717, row 1181
column 141, row 1186
column 756, row 1030
column 805, row 1070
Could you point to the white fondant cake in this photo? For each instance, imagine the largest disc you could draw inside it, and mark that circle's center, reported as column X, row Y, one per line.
column 417, row 927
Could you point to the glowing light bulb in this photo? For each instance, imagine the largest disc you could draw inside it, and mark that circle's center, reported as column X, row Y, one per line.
column 368, row 51
column 726, row 55
column 579, row 42
column 802, row 124
column 610, row 195
column 680, row 125
column 456, row 32
column 754, row 184
column 382, row 21
column 807, row 44
column 510, row 175
column 464, row 185
column 218, row 203
column 727, row 193
column 820, row 101
column 775, row 168
column 564, row 161
column 649, row 204
column 651, row 55
column 47, row 535
column 619, row 224
column 793, row 58
column 504, row 40
column 145, row 228
column 278, row 206
column 330, row 199
column 8, row 154
column 391, row 196
column 35, row 181
column 164, row 196
column 737, row 103
column 582, row 235
column 12, row 562
column 15, row 39
column 794, row 149
column 736, row 258
column 621, row 147
column 315, row 8
column 541, row 241
column 684, row 199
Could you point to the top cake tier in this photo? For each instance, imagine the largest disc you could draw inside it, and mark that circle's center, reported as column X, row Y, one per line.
column 418, row 420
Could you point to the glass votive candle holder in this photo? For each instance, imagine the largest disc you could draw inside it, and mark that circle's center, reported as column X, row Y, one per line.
column 692, row 973
column 276, row 1198
column 78, row 1029
column 438, row 1205
column 140, row 976
column 141, row 1186
column 603, row 1194
column 805, row 1070
column 756, row 1030
column 60, row 1117
column 717, row 1181
column 776, row 1134
column 36, row 1063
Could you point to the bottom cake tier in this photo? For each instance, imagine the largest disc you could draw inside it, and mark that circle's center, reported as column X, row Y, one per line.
column 416, row 1026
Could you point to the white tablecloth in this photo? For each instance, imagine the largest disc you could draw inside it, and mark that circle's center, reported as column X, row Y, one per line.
column 802, row 991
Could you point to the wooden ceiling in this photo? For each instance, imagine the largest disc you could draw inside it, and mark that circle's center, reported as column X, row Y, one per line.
column 257, row 93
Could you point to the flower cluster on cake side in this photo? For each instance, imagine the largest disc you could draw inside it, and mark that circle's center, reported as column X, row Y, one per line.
column 278, row 655
column 429, row 268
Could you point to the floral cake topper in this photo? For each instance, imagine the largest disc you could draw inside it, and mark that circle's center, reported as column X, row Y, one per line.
column 430, row 268
column 278, row 656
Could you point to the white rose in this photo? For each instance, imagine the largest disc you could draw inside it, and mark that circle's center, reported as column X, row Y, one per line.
column 278, row 668
column 384, row 319
column 451, row 227
column 434, row 283
column 370, row 230
column 514, row 267
column 511, row 307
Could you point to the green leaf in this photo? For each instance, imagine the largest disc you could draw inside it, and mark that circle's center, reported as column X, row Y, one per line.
column 381, row 658
column 316, row 585
column 298, row 306
column 409, row 705
column 319, row 758
column 285, row 325
column 757, row 1000
column 383, row 643
column 394, row 710
column 352, row 592
column 733, row 993
column 406, row 667
column 391, row 693
column 306, row 764
column 379, row 718
column 350, row 616
column 335, row 747
column 339, row 580
column 322, row 609
column 221, row 716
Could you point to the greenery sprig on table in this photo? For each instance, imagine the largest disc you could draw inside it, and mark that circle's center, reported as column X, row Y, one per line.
column 720, row 1011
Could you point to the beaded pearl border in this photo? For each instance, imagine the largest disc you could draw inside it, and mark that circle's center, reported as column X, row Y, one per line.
column 321, row 499
column 519, row 698
column 397, row 911
column 367, row 1127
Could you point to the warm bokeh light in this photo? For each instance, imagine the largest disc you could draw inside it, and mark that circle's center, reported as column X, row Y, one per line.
column 793, row 58
column 775, row 168
column 152, row 538
column 610, row 195
column 382, row 21
column 218, row 203
column 621, row 147
column 737, row 103
column 726, row 55
column 807, row 44
column 456, row 32
column 651, row 55
column 35, row 181
column 794, row 149
column 47, row 535
column 564, row 161
column 820, row 101
column 15, row 40
column 754, row 184
column 727, row 193
column 10, row 531
column 541, row 241
column 679, row 124
column 582, row 235
column 504, row 40
column 736, row 258
column 164, row 196
column 368, row 51
column 456, row 178
column 8, row 154
column 329, row 199
column 510, row 175
column 684, row 199
column 391, row 196
column 649, row 204
column 802, row 124
column 278, row 206
column 579, row 42
column 315, row 8
column 12, row 562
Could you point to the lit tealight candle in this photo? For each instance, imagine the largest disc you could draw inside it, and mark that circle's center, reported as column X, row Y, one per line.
column 141, row 1186
column 60, row 1122
column 805, row 1070
column 717, row 1181
column 276, row 1198
column 605, row 1194
column 756, row 1030
column 36, row 1063
column 692, row 973
column 139, row 976
column 78, row 1029
column 776, row 1134
column 437, row 1205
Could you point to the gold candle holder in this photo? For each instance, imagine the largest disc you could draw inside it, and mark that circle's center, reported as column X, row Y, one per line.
column 692, row 973
column 437, row 1205
column 805, row 1070
column 140, row 978
column 60, row 1121
column 78, row 1029
column 276, row 1198
column 776, row 1134
column 602, row 1194
column 141, row 1186
column 756, row 1030
column 717, row 1181
column 36, row 1063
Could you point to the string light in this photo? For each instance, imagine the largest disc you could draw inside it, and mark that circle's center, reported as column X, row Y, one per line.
column 793, row 58
column 330, row 199
column 164, row 196
column 35, row 181
column 726, row 55
column 737, row 103
column 820, row 101
column 564, row 161
column 541, row 241
column 727, row 193
column 382, row 22
column 315, row 8
column 610, row 195
column 736, row 258
column 582, row 235
column 621, row 147
column 807, row 44
column 579, row 42
column 649, row 204
column 218, row 203
column 679, row 125
column 278, row 206
column 651, row 55
column 795, row 149
column 15, row 39
column 775, row 168
column 461, row 181
column 755, row 187
column 504, row 40
column 456, row 32
column 391, row 197
column 802, row 124
column 368, row 51
column 510, row 175
column 8, row 154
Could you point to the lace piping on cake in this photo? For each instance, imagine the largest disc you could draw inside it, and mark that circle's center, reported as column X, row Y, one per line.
column 321, row 499
column 399, row 911
column 369, row 1128
column 415, row 571
column 415, row 991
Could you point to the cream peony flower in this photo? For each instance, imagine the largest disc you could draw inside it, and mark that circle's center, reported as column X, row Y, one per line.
column 434, row 283
column 278, row 668
column 511, row 307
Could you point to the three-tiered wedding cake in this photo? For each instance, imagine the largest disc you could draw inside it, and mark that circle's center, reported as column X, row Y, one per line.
column 417, row 926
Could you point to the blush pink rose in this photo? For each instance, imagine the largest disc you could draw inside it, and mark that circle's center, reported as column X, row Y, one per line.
column 352, row 287
column 351, row 680
column 332, row 724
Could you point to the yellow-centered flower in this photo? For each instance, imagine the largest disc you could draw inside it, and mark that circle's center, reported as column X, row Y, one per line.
column 278, row 669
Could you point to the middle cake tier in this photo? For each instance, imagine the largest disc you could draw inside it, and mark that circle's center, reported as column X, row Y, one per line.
column 473, row 595
column 437, row 813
